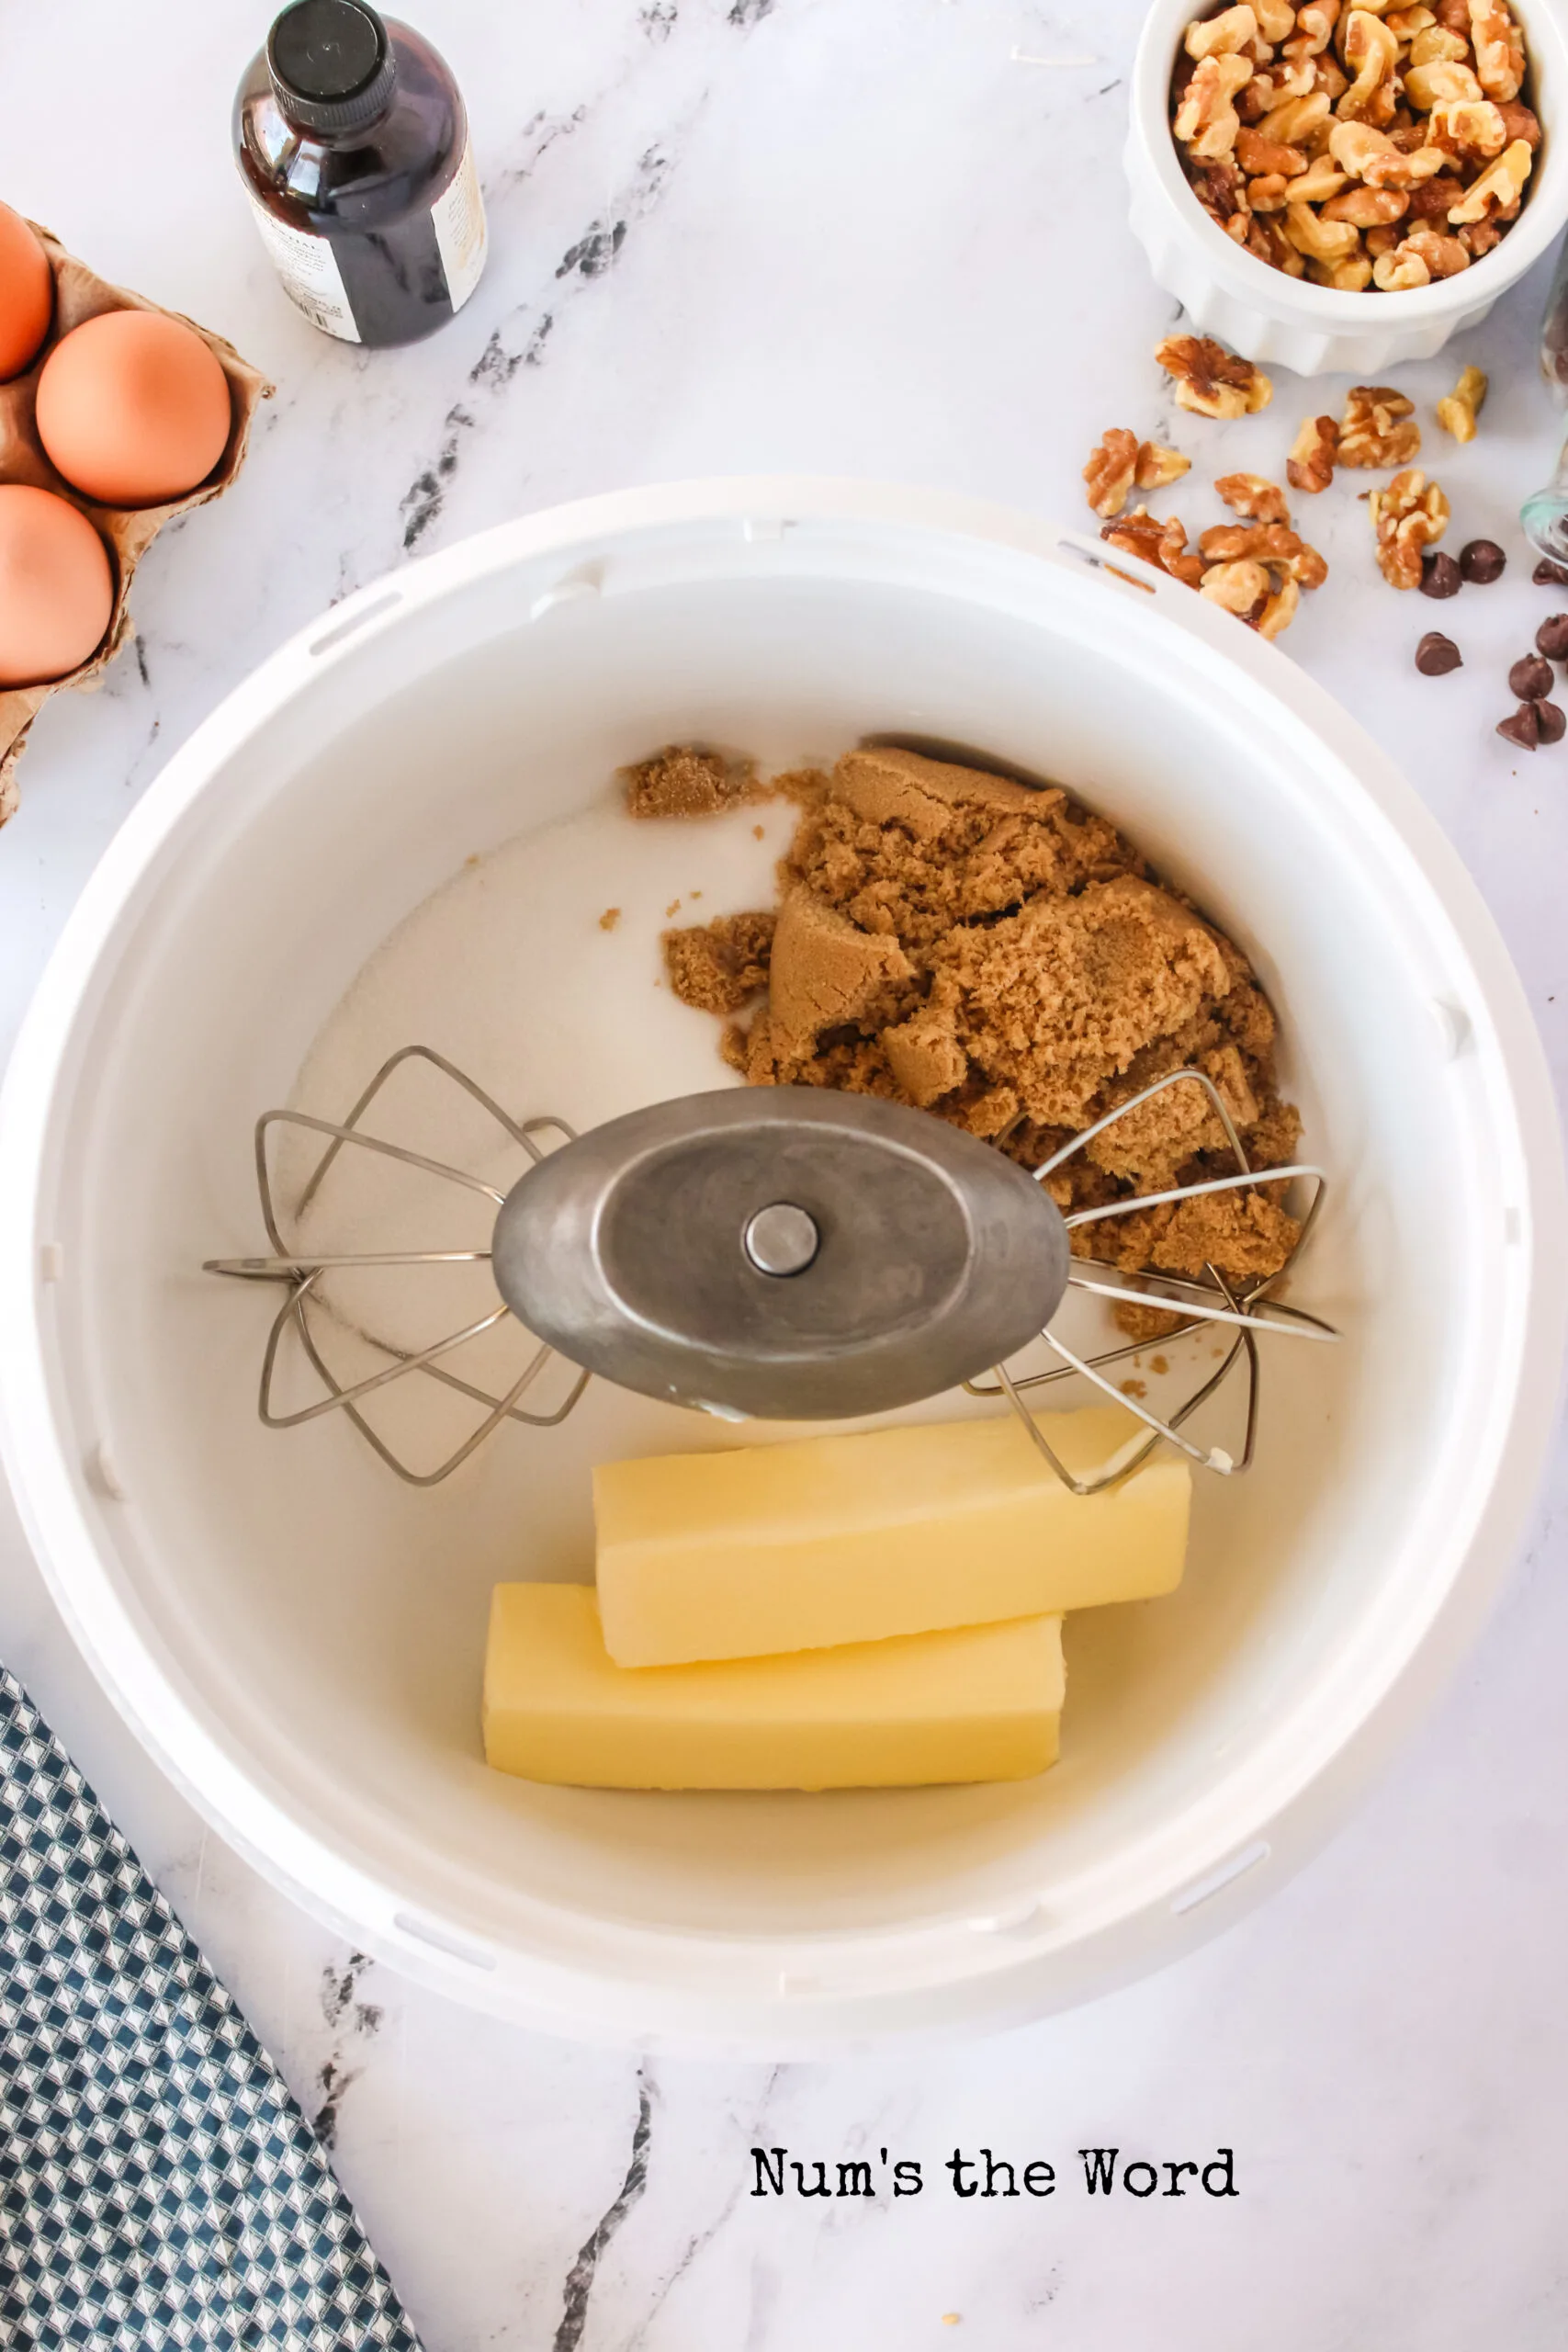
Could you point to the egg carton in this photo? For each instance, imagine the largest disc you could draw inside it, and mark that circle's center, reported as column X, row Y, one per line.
column 79, row 294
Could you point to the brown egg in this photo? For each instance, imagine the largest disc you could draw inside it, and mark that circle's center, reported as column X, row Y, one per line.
column 56, row 586
column 26, row 294
column 132, row 408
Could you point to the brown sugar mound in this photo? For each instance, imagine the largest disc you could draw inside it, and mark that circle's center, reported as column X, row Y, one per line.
column 994, row 952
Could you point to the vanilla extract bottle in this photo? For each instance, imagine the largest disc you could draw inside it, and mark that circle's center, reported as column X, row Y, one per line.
column 352, row 137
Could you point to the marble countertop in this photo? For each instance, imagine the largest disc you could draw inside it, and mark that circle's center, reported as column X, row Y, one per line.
column 738, row 235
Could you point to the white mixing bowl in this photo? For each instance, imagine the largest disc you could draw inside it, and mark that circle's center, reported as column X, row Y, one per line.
column 298, row 1637
column 1265, row 315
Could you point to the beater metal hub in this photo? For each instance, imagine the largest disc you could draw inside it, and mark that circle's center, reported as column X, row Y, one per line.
column 782, row 1252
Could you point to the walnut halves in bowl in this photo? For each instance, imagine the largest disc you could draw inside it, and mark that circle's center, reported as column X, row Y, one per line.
column 1368, row 149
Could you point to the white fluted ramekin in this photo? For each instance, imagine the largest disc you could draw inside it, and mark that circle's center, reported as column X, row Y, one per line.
column 1265, row 315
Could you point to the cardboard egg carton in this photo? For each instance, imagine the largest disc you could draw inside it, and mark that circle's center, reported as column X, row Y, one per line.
column 80, row 293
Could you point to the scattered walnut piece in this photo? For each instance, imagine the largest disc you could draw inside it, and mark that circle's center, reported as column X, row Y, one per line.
column 1158, row 465
column 1209, row 380
column 1268, row 242
column 1430, row 199
column 1434, row 45
column 1371, row 156
column 1251, row 495
column 1258, row 569
column 1279, row 611
column 1222, row 190
column 1519, row 122
column 1371, row 53
column 1206, row 120
column 1273, row 85
column 1479, row 237
column 1242, row 586
column 1469, row 131
column 1317, row 186
column 1457, row 413
column 1328, row 242
column 1223, row 36
column 609, row 919
column 1497, row 195
column 1407, row 517
column 1314, row 29
column 1163, row 544
column 1378, row 427
column 1271, row 543
column 1327, row 77
column 1499, row 49
column 1368, row 208
column 1121, row 461
column 1314, row 454
column 1400, row 271
column 1255, row 153
column 1298, row 122
column 1112, row 467
column 1427, row 86
column 1442, row 256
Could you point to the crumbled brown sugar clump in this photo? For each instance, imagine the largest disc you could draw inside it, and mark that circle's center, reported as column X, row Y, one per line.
column 682, row 781
column 995, row 952
column 719, row 967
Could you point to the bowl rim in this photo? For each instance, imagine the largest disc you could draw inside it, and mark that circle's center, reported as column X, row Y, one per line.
column 1297, row 301
column 587, row 1974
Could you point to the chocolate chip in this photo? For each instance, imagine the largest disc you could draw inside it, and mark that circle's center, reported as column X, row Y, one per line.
column 1551, row 637
column 1437, row 655
column 1523, row 726
column 1440, row 575
column 1550, row 575
column 1482, row 561
column 1530, row 678
column 1551, row 722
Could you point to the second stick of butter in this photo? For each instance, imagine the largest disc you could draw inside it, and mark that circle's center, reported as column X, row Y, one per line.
column 857, row 1538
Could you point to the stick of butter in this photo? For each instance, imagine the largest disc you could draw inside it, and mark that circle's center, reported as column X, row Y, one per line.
column 855, row 1538
column 980, row 1705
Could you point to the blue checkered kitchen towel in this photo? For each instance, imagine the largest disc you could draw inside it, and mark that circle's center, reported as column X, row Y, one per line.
column 158, row 2184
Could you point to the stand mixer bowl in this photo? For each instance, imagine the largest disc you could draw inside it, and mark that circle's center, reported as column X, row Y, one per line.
column 299, row 1637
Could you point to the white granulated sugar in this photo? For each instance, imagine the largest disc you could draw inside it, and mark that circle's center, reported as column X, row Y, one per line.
column 508, row 971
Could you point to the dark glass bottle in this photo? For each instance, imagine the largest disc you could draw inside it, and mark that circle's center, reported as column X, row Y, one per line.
column 353, row 141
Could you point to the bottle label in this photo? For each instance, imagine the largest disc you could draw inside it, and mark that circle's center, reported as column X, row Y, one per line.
column 458, row 219
column 312, row 279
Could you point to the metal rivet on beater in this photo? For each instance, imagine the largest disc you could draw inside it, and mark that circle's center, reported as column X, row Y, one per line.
column 782, row 1239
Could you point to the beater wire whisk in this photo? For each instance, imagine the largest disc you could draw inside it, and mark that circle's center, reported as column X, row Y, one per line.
column 782, row 1253
column 1181, row 1294
column 302, row 1275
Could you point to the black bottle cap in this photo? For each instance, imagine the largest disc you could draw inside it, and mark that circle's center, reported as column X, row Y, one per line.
column 332, row 64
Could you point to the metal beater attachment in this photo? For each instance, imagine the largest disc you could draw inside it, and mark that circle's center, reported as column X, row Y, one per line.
column 779, row 1253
